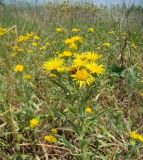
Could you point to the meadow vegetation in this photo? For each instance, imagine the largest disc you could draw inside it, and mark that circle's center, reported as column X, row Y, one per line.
column 71, row 82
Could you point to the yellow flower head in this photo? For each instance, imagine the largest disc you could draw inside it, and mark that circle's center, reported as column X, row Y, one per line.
column 111, row 32
column 133, row 143
column 54, row 64
column 2, row 31
column 77, row 39
column 77, row 63
column 54, row 131
column 140, row 138
column 50, row 138
column 34, row 44
column 59, row 30
column 83, row 78
column 27, row 76
column 133, row 135
column 65, row 54
column 52, row 75
column 19, row 68
column 34, row 123
column 43, row 48
column 136, row 136
column 106, row 44
column 73, row 40
column 23, row 38
column 134, row 46
column 95, row 68
column 73, row 46
column 88, row 110
column 30, row 51
column 36, row 37
column 75, row 29
column 91, row 30
column 91, row 56
column 68, row 41
column 17, row 49
column 141, row 94
column 30, row 35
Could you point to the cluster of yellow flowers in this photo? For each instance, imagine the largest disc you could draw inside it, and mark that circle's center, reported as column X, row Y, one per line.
column 74, row 30
column 27, row 36
column 19, row 68
column 82, row 67
column 71, row 42
column 136, row 136
column 28, row 43
column 33, row 123
column 51, row 137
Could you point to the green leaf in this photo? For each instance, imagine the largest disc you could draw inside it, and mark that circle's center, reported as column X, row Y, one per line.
column 116, row 69
column 67, row 143
column 92, row 119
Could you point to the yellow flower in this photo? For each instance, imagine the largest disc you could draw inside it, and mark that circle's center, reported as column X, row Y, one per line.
column 75, row 30
column 30, row 35
column 136, row 136
column 2, row 31
column 106, row 44
column 17, row 49
column 91, row 56
column 73, row 40
column 140, row 138
column 65, row 54
column 30, row 51
column 95, row 68
column 43, row 48
column 77, row 39
column 54, row 131
column 68, row 41
column 91, row 30
column 19, row 68
column 34, row 123
column 36, row 37
column 111, row 32
column 27, row 76
column 52, row 75
column 88, row 110
column 54, row 64
column 50, row 139
column 34, row 44
column 134, row 46
column 47, row 44
column 133, row 143
column 77, row 63
column 59, row 30
column 22, row 38
column 98, row 48
column 133, row 135
column 83, row 78
column 73, row 46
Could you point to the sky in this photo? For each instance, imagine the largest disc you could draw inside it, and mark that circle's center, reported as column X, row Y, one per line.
column 105, row 2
